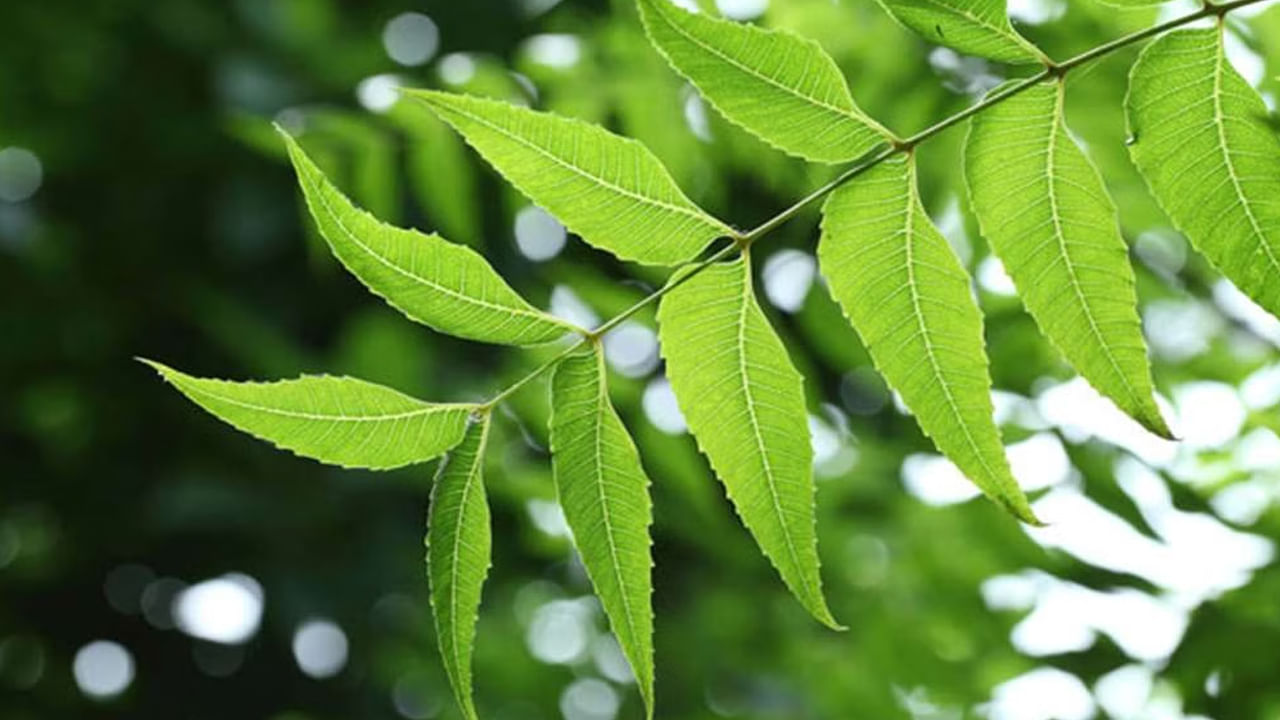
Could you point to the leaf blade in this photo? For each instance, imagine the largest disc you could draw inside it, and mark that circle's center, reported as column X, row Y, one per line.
column 459, row 543
column 711, row 331
column 610, row 190
column 801, row 107
column 973, row 27
column 1045, row 210
column 891, row 270
column 447, row 287
column 605, row 496
column 335, row 420
column 1202, row 142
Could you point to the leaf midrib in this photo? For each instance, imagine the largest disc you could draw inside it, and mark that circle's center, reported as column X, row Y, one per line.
column 1060, row 235
column 602, row 406
column 842, row 112
column 1219, row 121
column 695, row 214
column 456, row 552
column 340, row 417
column 943, row 382
column 766, row 464
column 534, row 314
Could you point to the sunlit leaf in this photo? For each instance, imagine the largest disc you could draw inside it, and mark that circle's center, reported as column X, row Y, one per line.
column 1044, row 209
column 1200, row 137
column 447, row 287
column 974, row 27
column 909, row 298
column 605, row 496
column 337, row 420
column 775, row 84
column 458, row 548
column 744, row 402
column 610, row 190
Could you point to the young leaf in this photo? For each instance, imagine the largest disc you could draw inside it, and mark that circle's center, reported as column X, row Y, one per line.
column 610, row 190
column 336, row 420
column 605, row 496
column 458, row 547
column 446, row 287
column 909, row 298
column 779, row 86
column 744, row 403
column 1201, row 139
column 973, row 27
column 1044, row 209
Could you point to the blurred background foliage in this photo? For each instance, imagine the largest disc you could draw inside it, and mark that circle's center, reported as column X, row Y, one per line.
column 157, row 564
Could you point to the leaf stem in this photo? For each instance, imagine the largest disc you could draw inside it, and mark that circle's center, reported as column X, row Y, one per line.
column 876, row 156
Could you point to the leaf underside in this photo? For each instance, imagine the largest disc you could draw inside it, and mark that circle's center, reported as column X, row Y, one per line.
column 744, row 403
column 1202, row 141
column 909, row 298
column 973, row 27
column 608, row 189
column 781, row 87
column 1045, row 210
column 447, row 287
column 605, row 496
column 458, row 555
column 337, row 420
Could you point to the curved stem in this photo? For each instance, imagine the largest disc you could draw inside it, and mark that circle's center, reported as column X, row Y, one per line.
column 875, row 157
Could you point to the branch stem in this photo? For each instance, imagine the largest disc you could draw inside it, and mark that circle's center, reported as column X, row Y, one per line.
column 875, row 157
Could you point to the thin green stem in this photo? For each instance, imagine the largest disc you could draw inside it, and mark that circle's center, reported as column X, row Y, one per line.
column 875, row 157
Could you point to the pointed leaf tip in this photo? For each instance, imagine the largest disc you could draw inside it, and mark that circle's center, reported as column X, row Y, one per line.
column 744, row 400
column 1043, row 207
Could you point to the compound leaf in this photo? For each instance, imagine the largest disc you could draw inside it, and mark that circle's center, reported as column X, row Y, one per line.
column 605, row 496
column 458, row 550
column 973, row 27
column 444, row 286
column 610, row 190
column 777, row 85
column 336, row 420
column 1043, row 207
column 909, row 298
column 744, row 403
column 1201, row 138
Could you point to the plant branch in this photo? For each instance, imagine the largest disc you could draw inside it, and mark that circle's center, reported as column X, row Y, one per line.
column 743, row 240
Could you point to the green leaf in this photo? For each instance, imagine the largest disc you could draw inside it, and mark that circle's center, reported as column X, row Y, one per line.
column 973, row 27
column 337, row 420
column 777, row 85
column 609, row 189
column 1043, row 207
column 744, row 403
column 1200, row 137
column 605, row 496
column 447, row 287
column 910, row 300
column 458, row 551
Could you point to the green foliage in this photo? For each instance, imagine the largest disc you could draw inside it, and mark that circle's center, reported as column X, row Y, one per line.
column 744, row 402
column 605, row 496
column 458, row 546
column 1200, row 136
column 908, row 297
column 610, row 190
column 976, row 27
column 1201, row 140
column 336, row 420
column 779, row 86
column 444, row 286
column 1044, row 209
